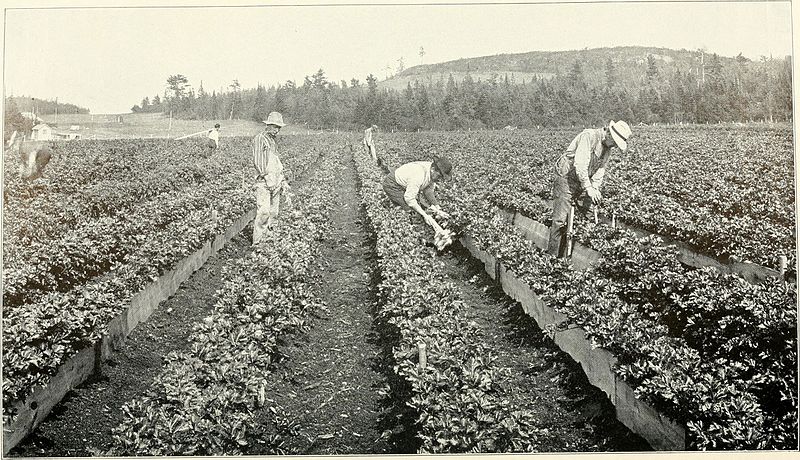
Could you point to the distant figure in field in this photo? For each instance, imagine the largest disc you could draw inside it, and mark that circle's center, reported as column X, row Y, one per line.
column 34, row 157
column 270, row 181
column 579, row 174
column 369, row 142
column 213, row 140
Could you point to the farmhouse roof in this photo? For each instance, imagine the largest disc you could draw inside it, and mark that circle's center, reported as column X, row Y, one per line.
column 40, row 126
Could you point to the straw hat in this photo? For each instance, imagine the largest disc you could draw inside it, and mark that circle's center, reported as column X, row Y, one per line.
column 620, row 131
column 275, row 118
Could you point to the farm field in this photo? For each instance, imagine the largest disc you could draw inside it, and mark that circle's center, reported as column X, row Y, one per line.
column 309, row 342
column 151, row 125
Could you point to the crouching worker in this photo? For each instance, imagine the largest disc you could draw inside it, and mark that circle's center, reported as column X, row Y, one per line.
column 270, row 181
column 34, row 159
column 212, row 141
column 579, row 174
column 404, row 184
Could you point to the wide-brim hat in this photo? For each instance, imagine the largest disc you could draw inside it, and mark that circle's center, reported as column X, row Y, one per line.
column 275, row 118
column 444, row 166
column 620, row 132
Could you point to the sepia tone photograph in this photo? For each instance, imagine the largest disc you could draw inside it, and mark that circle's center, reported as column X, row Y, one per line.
column 418, row 228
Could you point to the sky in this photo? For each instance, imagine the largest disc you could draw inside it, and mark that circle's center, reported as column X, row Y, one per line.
column 108, row 58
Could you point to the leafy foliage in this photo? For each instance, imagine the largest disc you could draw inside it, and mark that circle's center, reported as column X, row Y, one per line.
column 708, row 349
column 208, row 397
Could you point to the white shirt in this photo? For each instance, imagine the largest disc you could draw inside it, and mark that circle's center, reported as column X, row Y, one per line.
column 214, row 135
column 590, row 158
column 415, row 176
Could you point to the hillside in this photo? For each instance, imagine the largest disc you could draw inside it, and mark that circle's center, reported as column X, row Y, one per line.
column 43, row 106
column 630, row 63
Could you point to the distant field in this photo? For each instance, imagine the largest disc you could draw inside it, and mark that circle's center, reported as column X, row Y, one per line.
column 152, row 125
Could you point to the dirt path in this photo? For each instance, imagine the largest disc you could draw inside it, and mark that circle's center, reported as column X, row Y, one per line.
column 329, row 379
column 81, row 424
column 577, row 416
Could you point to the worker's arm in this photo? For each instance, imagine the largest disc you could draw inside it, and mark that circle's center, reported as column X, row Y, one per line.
column 583, row 154
column 597, row 178
column 410, row 196
column 260, row 155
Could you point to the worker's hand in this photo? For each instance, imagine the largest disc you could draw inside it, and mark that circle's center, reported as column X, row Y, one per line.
column 438, row 211
column 432, row 222
column 595, row 195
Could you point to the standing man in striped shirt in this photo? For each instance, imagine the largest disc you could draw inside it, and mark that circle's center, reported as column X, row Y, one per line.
column 579, row 174
column 270, row 182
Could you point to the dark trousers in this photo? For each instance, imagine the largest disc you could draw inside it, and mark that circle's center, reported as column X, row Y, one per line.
column 394, row 191
column 564, row 196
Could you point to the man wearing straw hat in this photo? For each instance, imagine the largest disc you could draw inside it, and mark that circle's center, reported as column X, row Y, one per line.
column 369, row 143
column 579, row 174
column 270, row 182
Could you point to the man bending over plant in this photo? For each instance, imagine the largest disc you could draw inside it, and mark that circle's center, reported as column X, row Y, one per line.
column 404, row 184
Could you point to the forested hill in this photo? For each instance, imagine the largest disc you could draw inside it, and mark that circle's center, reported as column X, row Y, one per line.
column 630, row 64
column 43, row 106
column 587, row 87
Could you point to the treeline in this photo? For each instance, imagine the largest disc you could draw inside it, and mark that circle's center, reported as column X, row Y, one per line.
column 42, row 106
column 14, row 121
column 739, row 92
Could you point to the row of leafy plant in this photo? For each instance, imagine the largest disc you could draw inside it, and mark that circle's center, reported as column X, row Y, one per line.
column 42, row 334
column 99, row 244
column 459, row 397
column 92, row 179
column 727, row 192
column 94, row 244
column 211, row 399
column 710, row 350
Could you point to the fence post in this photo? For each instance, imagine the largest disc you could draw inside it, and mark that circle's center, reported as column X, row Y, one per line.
column 423, row 355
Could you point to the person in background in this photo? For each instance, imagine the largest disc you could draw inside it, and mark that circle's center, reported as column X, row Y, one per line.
column 579, row 174
column 369, row 142
column 404, row 184
column 270, row 181
column 213, row 139
column 34, row 157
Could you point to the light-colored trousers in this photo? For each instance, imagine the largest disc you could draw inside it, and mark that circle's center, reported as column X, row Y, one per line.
column 267, row 202
column 371, row 150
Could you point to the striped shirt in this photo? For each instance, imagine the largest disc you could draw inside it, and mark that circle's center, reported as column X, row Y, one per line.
column 265, row 158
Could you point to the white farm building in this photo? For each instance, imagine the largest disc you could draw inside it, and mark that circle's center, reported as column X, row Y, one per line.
column 42, row 132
